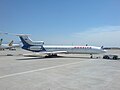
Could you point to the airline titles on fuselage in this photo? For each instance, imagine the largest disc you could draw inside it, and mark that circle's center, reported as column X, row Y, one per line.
column 83, row 47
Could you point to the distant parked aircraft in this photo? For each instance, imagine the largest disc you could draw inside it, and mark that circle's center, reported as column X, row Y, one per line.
column 8, row 46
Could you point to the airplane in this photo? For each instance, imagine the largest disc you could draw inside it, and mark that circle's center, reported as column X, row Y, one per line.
column 50, row 50
column 9, row 46
column 3, row 46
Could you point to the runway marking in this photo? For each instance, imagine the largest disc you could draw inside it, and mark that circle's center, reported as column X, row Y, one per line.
column 41, row 69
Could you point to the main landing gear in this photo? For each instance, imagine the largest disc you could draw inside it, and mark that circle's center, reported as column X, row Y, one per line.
column 91, row 56
column 51, row 55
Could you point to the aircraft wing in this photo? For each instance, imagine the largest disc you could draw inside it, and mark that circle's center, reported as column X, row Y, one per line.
column 43, row 53
column 53, row 52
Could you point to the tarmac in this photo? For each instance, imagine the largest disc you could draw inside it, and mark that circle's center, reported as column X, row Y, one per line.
column 66, row 72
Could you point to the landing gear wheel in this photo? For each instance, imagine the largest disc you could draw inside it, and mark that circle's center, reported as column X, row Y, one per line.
column 91, row 56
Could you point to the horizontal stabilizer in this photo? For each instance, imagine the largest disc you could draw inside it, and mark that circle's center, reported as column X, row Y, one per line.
column 22, row 34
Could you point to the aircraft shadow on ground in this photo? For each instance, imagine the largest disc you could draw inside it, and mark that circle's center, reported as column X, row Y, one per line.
column 31, row 58
column 40, row 58
column 74, row 57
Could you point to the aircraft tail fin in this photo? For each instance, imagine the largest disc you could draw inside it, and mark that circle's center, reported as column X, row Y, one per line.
column 1, row 41
column 11, row 43
column 102, row 47
column 28, row 42
column 25, row 39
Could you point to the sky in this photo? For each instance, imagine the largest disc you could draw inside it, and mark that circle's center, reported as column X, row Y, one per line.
column 69, row 22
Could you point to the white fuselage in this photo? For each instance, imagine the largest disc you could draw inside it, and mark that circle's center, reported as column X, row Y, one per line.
column 74, row 49
column 6, row 46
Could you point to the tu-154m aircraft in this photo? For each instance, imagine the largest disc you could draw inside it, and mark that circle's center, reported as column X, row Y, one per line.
column 50, row 50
